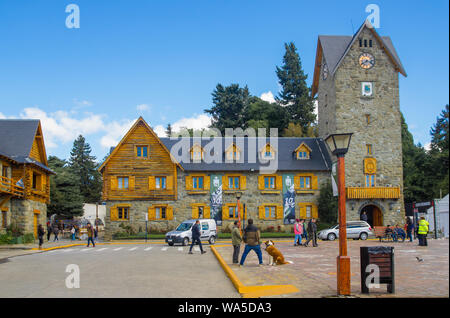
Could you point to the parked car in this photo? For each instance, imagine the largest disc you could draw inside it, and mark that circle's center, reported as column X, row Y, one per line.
column 355, row 230
column 183, row 234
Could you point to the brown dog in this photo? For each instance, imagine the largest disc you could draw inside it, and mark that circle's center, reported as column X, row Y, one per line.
column 276, row 258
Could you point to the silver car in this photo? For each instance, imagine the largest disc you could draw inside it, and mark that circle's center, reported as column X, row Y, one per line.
column 355, row 230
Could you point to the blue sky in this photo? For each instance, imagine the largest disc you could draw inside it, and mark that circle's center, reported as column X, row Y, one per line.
column 163, row 59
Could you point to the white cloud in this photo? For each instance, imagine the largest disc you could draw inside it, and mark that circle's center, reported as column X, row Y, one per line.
column 427, row 146
column 198, row 123
column 2, row 116
column 160, row 131
column 142, row 107
column 115, row 132
column 268, row 97
column 82, row 103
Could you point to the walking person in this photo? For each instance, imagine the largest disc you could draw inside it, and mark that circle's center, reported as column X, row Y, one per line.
column 409, row 229
column 49, row 231
column 55, row 232
column 95, row 234
column 196, row 237
column 72, row 232
column 236, row 240
column 312, row 233
column 90, row 233
column 41, row 233
column 252, row 241
column 298, row 231
column 423, row 231
column 305, row 230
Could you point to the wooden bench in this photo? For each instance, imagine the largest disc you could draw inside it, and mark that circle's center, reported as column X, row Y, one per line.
column 380, row 233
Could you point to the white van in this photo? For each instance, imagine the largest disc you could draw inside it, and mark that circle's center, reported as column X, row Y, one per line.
column 183, row 234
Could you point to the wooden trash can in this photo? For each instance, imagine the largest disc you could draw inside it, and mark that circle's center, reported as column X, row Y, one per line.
column 383, row 258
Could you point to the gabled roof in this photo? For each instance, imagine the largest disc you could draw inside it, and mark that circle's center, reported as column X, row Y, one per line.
column 302, row 145
column 334, row 48
column 16, row 140
column 115, row 149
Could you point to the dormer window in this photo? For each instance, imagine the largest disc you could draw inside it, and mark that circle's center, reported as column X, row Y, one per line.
column 196, row 153
column 233, row 153
column 267, row 152
column 303, row 152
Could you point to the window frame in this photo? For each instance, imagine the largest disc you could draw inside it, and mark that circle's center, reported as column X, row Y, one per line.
column 195, row 181
column 125, row 210
column 270, row 178
column 309, row 178
column 160, row 208
column 234, row 178
column 142, row 147
column 372, row 178
column 121, row 185
column 160, row 179
column 274, row 211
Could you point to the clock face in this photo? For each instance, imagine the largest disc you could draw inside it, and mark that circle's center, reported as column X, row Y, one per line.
column 366, row 61
column 325, row 72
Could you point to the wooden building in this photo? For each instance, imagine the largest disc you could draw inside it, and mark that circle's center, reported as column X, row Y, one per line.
column 24, row 175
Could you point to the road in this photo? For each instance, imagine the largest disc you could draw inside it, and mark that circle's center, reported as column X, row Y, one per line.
column 117, row 270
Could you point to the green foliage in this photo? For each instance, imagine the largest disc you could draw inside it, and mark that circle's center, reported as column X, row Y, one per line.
column 327, row 204
column 440, row 153
column 14, row 230
column 262, row 114
column 6, row 238
column 295, row 94
column 84, row 167
column 66, row 199
column 169, row 130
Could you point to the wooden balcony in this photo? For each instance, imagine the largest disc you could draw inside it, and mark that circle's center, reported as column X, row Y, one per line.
column 8, row 186
column 373, row 193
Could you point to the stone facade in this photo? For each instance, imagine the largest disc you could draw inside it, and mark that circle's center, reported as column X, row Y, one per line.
column 252, row 197
column 342, row 108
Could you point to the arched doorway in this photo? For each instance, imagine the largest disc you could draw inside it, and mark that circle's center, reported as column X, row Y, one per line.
column 374, row 215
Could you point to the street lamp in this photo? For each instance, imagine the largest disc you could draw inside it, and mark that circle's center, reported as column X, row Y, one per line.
column 339, row 144
column 238, row 197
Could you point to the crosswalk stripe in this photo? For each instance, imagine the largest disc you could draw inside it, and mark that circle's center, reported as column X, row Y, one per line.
column 196, row 248
column 86, row 249
column 164, row 248
column 132, row 249
column 68, row 250
column 102, row 249
column 180, row 249
column 148, row 248
column 118, row 249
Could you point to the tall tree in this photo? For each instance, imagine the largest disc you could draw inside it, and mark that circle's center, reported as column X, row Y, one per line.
column 169, row 130
column 327, row 204
column 66, row 199
column 439, row 153
column 85, row 167
column 262, row 114
column 295, row 94
column 230, row 107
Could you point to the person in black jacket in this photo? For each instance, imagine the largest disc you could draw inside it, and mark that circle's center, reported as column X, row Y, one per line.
column 312, row 233
column 196, row 237
column 41, row 233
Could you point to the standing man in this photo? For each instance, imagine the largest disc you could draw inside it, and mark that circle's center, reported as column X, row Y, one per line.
column 312, row 232
column 364, row 217
column 252, row 240
column 196, row 237
column 41, row 233
column 55, row 232
column 409, row 228
column 236, row 240
column 90, row 233
column 423, row 231
column 49, row 231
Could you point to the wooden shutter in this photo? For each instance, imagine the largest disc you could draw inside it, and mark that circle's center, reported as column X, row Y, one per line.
column 188, row 181
column 261, row 182
column 207, row 212
column 296, row 182
column 169, row 182
column 43, row 182
column 302, row 207
column 314, row 182
column 114, row 183
column 243, row 182
column 151, row 213
column 207, row 183
column 225, row 212
column 279, row 182
column 194, row 211
column 169, row 213
column 225, row 182
column 279, row 212
column 261, row 212
column 151, row 183
column 315, row 211
column 131, row 183
column 114, row 213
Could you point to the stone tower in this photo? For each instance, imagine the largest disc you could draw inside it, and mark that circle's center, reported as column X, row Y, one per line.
column 357, row 86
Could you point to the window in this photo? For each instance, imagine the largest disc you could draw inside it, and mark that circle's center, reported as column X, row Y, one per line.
column 305, row 182
column 160, row 182
column 122, row 213
column 205, row 226
column 360, row 42
column 197, row 183
column 303, row 155
column 365, row 43
column 196, row 153
column 142, row 151
column 370, row 180
column 5, row 171
column 308, row 211
column 200, row 212
column 233, row 153
column 269, row 182
column 4, row 219
column 160, row 212
column 270, row 212
column 369, row 150
column 233, row 183
column 36, row 181
column 232, row 212
column 122, row 182
column 370, row 43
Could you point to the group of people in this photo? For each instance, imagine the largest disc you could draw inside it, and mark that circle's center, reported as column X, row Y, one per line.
column 57, row 229
column 308, row 232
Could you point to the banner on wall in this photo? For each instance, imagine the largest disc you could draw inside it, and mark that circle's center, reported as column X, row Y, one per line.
column 334, row 179
column 288, row 199
column 216, row 198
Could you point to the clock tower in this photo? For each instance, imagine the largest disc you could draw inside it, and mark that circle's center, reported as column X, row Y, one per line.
column 356, row 82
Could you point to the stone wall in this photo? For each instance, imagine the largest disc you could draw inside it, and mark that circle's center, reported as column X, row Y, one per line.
column 22, row 213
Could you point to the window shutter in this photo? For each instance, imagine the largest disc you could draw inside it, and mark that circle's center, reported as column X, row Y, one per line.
column 114, row 183
column 225, row 182
column 131, row 182
column 207, row 181
column 243, row 181
column 169, row 182
column 151, row 213
column 169, row 213
column 296, row 182
column 315, row 211
column 207, row 212
column 302, row 207
column 43, row 182
column 151, row 183
column 225, row 212
column 194, row 211
column 114, row 216
column 261, row 212
column 279, row 182
column 279, row 212
column 261, row 182
column 314, row 183
column 188, row 182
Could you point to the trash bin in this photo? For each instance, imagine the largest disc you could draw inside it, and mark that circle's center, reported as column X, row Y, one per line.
column 383, row 258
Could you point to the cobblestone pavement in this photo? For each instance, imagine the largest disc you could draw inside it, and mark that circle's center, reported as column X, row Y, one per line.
column 313, row 270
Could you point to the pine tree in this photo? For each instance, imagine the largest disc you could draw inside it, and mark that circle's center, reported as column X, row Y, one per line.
column 85, row 168
column 169, row 130
column 295, row 94
column 327, row 204
column 440, row 153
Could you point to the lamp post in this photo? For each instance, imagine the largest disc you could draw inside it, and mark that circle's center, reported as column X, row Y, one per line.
column 339, row 144
column 238, row 197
